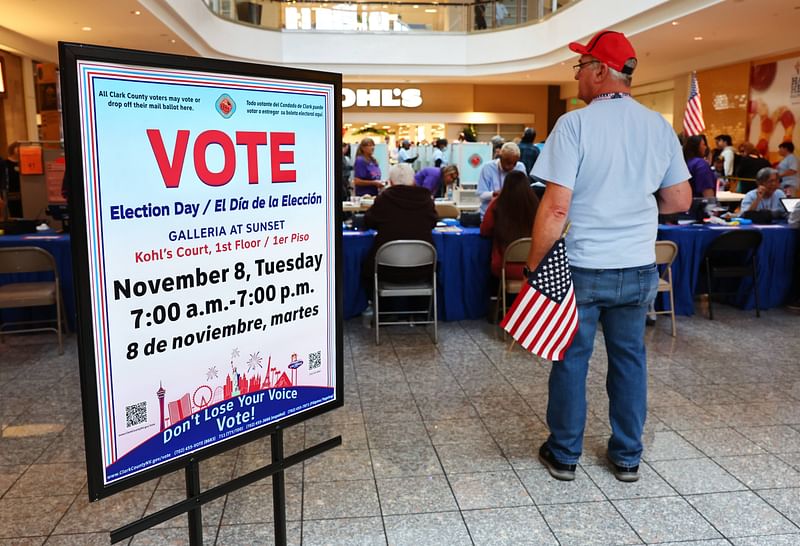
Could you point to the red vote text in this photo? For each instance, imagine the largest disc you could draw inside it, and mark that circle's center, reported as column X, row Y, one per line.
column 172, row 167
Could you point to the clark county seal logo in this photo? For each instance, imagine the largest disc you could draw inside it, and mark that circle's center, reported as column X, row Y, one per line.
column 225, row 106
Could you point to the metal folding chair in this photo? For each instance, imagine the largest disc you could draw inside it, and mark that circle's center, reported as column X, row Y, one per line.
column 515, row 252
column 404, row 254
column 665, row 255
column 30, row 259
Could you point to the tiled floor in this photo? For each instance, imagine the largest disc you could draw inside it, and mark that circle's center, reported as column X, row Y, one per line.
column 439, row 448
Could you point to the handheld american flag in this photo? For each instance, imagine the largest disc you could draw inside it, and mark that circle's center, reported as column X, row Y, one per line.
column 693, row 122
column 544, row 317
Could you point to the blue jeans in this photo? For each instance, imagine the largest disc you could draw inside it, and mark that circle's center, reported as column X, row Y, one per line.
column 618, row 299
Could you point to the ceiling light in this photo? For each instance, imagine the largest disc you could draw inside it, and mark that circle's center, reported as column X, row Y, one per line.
column 172, row 41
column 430, row 11
column 86, row 29
column 698, row 38
column 136, row 12
column 675, row 23
column 387, row 126
column 415, row 6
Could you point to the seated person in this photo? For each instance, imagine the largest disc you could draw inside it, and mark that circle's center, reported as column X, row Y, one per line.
column 436, row 179
column 493, row 173
column 510, row 217
column 767, row 196
column 401, row 211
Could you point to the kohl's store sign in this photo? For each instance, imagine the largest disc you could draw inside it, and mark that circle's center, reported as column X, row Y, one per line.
column 375, row 98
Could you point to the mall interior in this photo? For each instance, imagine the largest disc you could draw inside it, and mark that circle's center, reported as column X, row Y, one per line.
column 440, row 431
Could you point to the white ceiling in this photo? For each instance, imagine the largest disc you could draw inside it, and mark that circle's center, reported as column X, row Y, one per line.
column 732, row 31
column 112, row 23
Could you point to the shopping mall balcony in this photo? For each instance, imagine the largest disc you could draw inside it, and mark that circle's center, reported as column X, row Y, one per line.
column 428, row 39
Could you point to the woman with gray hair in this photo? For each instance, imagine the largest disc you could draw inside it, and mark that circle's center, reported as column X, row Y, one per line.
column 401, row 211
column 766, row 196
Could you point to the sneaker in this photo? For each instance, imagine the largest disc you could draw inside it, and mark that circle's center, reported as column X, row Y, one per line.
column 560, row 471
column 625, row 473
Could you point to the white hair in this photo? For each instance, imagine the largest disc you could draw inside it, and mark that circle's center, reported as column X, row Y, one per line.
column 627, row 79
column 401, row 175
column 764, row 173
column 510, row 148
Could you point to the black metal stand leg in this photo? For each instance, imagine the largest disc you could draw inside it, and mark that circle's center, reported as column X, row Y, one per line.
column 195, row 514
column 278, row 489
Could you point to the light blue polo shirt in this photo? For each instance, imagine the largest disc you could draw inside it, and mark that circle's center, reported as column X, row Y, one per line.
column 491, row 179
column 614, row 155
column 773, row 202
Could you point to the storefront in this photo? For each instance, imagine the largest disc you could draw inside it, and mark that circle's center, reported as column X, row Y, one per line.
column 423, row 113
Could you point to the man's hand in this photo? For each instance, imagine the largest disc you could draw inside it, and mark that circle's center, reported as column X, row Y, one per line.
column 760, row 192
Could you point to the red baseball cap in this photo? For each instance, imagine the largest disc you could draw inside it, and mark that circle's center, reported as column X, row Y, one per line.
column 610, row 47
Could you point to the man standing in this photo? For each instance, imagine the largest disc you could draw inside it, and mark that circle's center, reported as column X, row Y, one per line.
column 493, row 173
column 404, row 153
column 787, row 168
column 610, row 168
column 726, row 152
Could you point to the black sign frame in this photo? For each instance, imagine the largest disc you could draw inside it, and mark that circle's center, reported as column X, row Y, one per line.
column 69, row 55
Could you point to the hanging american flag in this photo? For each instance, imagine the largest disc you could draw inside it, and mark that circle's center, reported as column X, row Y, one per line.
column 544, row 317
column 693, row 123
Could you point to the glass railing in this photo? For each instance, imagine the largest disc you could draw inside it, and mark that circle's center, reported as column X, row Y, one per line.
column 379, row 16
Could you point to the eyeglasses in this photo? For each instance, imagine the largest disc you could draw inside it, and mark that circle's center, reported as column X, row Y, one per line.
column 578, row 67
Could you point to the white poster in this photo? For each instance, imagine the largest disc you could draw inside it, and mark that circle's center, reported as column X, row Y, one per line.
column 209, row 223
column 774, row 105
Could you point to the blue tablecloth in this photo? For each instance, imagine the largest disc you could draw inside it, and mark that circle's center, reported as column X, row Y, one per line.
column 59, row 247
column 463, row 278
column 775, row 261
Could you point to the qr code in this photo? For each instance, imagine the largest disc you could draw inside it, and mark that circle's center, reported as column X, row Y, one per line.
column 315, row 360
column 136, row 414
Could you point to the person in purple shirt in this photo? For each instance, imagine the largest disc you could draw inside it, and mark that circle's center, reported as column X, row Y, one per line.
column 703, row 181
column 366, row 172
column 436, row 179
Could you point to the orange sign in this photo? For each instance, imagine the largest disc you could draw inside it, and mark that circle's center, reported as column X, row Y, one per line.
column 30, row 160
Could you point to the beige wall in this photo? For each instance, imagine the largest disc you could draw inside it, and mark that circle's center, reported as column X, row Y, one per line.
column 456, row 98
column 529, row 99
column 12, row 107
column 724, row 92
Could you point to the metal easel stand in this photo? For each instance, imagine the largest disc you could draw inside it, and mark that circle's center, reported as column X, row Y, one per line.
column 195, row 498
